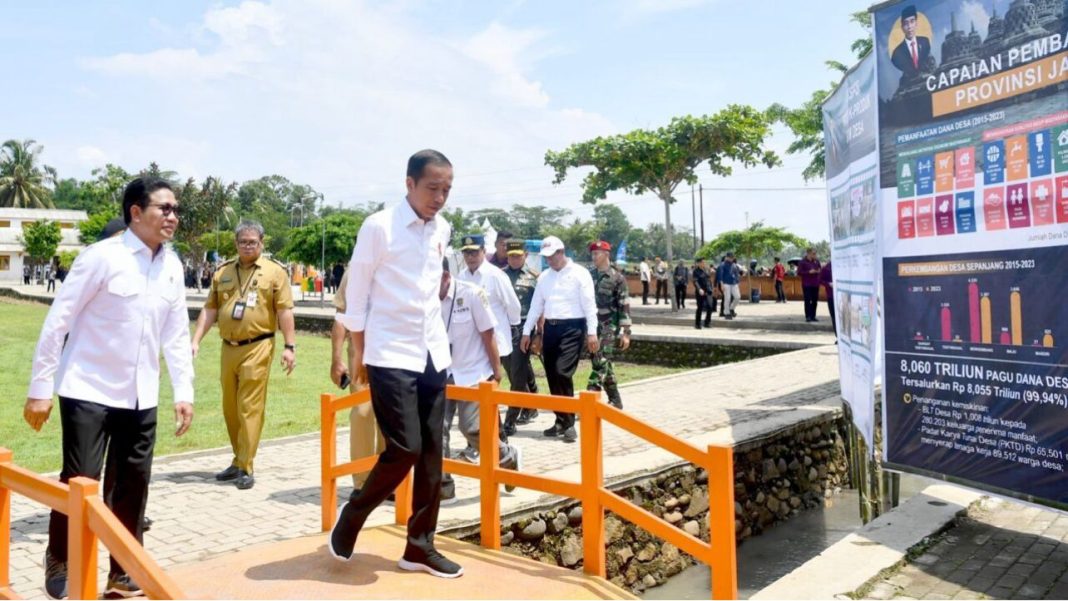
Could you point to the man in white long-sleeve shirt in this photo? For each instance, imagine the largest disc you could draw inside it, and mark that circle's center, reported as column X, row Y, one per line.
column 564, row 296
column 122, row 303
column 401, row 350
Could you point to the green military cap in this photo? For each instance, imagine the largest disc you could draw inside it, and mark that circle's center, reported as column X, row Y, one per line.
column 515, row 247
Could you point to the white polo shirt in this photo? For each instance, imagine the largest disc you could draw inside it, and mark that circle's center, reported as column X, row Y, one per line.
column 564, row 294
column 466, row 313
column 502, row 299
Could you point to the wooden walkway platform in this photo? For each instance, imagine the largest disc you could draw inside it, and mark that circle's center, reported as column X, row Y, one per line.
column 302, row 568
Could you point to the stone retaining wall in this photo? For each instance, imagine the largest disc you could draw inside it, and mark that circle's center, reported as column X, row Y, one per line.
column 775, row 479
column 691, row 354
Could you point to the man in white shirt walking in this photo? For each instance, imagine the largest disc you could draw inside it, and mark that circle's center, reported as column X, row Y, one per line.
column 644, row 274
column 401, row 350
column 564, row 297
column 471, row 325
column 503, row 301
column 122, row 303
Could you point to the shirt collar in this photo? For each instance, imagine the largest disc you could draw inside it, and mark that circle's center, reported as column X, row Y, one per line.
column 408, row 216
column 134, row 244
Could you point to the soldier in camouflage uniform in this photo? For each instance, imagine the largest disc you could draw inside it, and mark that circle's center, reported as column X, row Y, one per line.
column 517, row 365
column 613, row 315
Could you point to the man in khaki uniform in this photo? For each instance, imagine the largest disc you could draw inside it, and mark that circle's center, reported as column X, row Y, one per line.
column 365, row 439
column 251, row 299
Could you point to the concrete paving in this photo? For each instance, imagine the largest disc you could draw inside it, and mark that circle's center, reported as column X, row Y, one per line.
column 197, row 518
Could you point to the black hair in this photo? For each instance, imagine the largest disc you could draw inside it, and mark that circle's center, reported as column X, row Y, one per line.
column 138, row 191
column 777, row 259
column 417, row 162
column 505, row 235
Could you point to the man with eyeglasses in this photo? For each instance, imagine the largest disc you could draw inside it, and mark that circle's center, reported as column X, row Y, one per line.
column 251, row 299
column 122, row 304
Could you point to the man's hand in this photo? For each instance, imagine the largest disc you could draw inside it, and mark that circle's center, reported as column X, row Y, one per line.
column 625, row 342
column 183, row 417
column 289, row 360
column 700, row 292
column 536, row 344
column 196, row 348
column 36, row 412
column 592, row 344
column 337, row 369
column 497, row 374
column 524, row 343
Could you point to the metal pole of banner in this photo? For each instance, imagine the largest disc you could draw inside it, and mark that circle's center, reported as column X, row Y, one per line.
column 701, row 192
column 322, row 256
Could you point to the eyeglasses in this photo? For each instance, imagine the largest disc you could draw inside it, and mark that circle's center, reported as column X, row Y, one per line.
column 249, row 243
column 169, row 208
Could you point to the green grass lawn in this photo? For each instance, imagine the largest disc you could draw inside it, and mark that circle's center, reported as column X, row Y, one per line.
column 292, row 405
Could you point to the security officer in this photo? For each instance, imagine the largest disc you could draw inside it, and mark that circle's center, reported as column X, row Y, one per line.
column 517, row 365
column 613, row 315
column 251, row 299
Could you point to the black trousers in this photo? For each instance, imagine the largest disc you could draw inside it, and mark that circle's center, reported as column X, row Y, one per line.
column 520, row 372
column 410, row 409
column 127, row 437
column 680, row 295
column 830, row 309
column 703, row 305
column 645, row 292
column 812, row 299
column 561, row 348
column 780, row 294
column 661, row 288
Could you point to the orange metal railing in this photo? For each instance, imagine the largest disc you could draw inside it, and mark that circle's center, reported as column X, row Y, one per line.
column 718, row 553
column 90, row 522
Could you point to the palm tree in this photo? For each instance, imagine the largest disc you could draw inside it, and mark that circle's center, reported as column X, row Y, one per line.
column 23, row 182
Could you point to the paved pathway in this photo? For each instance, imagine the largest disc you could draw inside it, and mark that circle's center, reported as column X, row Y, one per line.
column 196, row 518
column 1000, row 550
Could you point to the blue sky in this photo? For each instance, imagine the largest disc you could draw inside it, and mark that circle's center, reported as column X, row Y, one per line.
column 337, row 94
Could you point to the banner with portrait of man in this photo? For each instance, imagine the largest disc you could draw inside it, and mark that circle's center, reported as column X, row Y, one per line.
column 973, row 146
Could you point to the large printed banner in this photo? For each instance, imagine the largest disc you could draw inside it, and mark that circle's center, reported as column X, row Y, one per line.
column 852, row 169
column 973, row 141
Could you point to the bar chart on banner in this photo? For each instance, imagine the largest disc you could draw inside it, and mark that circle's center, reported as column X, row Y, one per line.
column 999, row 305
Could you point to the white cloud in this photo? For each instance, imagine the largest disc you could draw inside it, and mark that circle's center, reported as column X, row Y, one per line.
column 634, row 9
column 973, row 12
column 502, row 49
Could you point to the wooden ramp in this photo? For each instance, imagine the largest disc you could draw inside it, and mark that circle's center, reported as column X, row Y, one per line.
column 302, row 568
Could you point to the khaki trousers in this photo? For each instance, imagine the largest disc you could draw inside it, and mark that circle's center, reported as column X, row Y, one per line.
column 245, row 371
column 365, row 439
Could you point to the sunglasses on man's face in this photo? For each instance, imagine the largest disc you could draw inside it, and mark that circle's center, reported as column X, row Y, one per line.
column 169, row 208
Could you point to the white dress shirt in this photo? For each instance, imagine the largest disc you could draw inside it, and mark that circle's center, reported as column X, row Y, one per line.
column 502, row 299
column 468, row 308
column 392, row 294
column 643, row 270
column 121, row 306
column 564, row 294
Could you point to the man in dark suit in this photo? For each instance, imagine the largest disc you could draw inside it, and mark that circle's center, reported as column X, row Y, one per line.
column 911, row 54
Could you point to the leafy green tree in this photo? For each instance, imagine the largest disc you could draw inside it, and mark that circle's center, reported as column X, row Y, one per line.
column 222, row 242
column 66, row 258
column 532, row 223
column 747, row 244
column 277, row 204
column 24, row 182
column 657, row 161
column 612, row 224
column 40, row 240
column 576, row 237
column 305, row 244
column 205, row 208
column 459, row 221
column 90, row 229
column 500, row 219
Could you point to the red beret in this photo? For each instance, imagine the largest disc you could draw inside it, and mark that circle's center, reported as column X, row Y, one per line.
column 600, row 245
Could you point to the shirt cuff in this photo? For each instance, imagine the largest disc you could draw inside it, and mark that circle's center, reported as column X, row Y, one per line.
column 352, row 323
column 41, row 389
column 183, row 393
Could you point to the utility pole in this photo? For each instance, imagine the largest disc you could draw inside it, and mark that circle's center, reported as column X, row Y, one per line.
column 701, row 191
column 693, row 211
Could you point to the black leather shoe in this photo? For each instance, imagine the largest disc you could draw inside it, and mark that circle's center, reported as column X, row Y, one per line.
column 342, row 541
column 570, row 435
column 509, row 429
column 526, row 416
column 708, row 323
column 146, row 524
column 55, row 577
column 230, row 473
column 556, row 430
column 244, row 481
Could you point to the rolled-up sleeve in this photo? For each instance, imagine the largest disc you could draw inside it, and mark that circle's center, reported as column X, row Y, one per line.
column 81, row 284
column 174, row 339
column 361, row 271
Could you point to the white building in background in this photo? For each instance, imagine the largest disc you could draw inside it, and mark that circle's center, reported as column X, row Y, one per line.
column 12, row 221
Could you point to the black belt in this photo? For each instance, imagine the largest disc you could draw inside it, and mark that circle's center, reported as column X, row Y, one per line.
column 249, row 341
column 578, row 321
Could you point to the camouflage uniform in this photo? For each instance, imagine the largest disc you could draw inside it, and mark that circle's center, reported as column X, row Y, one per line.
column 613, row 314
column 517, row 365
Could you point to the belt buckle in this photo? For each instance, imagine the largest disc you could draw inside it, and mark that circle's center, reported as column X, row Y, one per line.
column 233, row 343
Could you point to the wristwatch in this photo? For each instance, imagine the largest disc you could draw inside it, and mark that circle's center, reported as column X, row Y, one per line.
column 290, row 347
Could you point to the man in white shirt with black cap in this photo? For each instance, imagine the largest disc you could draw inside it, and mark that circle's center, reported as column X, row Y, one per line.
column 121, row 305
column 401, row 350
column 564, row 296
